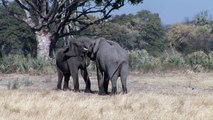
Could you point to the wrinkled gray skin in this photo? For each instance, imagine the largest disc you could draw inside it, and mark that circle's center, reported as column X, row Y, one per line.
column 68, row 61
column 111, row 63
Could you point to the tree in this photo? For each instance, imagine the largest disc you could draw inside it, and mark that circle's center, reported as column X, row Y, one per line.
column 151, row 31
column 149, row 27
column 188, row 38
column 141, row 31
column 15, row 36
column 178, row 37
column 202, row 18
column 49, row 19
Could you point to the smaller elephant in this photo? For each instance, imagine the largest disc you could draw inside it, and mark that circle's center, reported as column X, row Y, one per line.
column 111, row 63
column 68, row 62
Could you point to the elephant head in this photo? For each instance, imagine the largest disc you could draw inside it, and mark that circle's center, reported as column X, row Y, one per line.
column 75, row 49
column 86, row 44
column 94, row 47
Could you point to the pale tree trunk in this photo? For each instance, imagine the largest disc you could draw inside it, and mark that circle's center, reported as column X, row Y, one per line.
column 44, row 41
column 67, row 38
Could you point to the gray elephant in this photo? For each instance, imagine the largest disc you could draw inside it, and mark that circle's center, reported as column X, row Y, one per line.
column 111, row 63
column 68, row 61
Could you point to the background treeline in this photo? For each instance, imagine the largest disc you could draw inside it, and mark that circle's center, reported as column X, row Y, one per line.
column 151, row 45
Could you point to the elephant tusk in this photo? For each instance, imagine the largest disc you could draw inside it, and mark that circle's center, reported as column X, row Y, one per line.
column 85, row 49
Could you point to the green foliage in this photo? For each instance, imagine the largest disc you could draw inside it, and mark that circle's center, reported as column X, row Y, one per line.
column 198, row 59
column 173, row 61
column 188, row 38
column 202, row 18
column 142, row 34
column 150, row 31
column 14, row 85
column 19, row 63
column 141, row 60
column 210, row 62
column 15, row 37
column 133, row 32
column 192, row 36
column 28, row 82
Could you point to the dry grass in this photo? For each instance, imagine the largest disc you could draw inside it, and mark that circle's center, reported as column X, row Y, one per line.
column 55, row 105
column 152, row 97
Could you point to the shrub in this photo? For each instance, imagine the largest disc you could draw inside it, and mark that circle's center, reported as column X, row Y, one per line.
column 141, row 60
column 19, row 63
column 173, row 61
column 6, row 64
column 198, row 60
column 210, row 61
column 14, row 85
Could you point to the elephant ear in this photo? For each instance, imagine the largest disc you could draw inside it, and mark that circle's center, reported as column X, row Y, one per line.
column 71, row 50
column 95, row 47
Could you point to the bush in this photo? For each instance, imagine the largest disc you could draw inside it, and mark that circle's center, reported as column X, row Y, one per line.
column 19, row 63
column 14, row 85
column 141, row 60
column 173, row 61
column 198, row 60
column 210, row 61
column 6, row 64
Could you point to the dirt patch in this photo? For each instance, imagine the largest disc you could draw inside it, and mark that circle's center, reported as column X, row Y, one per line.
column 166, row 83
column 167, row 96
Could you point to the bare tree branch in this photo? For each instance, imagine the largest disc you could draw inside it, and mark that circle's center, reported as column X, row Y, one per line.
column 57, row 14
column 22, row 5
column 83, row 24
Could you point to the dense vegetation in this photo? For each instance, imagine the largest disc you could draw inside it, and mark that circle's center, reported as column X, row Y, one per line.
column 151, row 45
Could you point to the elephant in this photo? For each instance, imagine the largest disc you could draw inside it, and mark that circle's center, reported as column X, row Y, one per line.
column 111, row 62
column 68, row 62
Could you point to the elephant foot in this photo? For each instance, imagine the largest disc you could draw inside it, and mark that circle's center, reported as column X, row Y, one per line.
column 76, row 90
column 114, row 91
column 67, row 88
column 124, row 92
column 102, row 93
column 88, row 91
column 58, row 87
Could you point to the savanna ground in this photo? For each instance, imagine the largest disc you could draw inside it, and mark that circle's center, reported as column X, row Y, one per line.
column 162, row 96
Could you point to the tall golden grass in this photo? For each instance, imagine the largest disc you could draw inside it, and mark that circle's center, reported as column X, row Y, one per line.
column 59, row 105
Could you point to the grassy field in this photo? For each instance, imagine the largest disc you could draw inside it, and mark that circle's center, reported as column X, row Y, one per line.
column 169, row 96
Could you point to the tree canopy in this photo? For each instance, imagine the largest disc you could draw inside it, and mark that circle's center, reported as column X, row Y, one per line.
column 53, row 19
column 15, row 37
column 142, row 30
column 59, row 13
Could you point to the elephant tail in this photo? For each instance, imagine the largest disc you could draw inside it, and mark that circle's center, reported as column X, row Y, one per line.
column 116, row 69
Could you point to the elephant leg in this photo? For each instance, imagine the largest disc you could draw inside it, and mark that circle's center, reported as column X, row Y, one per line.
column 84, row 74
column 106, row 83
column 100, row 82
column 66, row 82
column 75, row 81
column 60, row 78
column 123, row 75
column 114, row 83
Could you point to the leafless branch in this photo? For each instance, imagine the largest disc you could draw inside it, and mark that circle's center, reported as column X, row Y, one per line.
column 57, row 14
column 86, row 22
